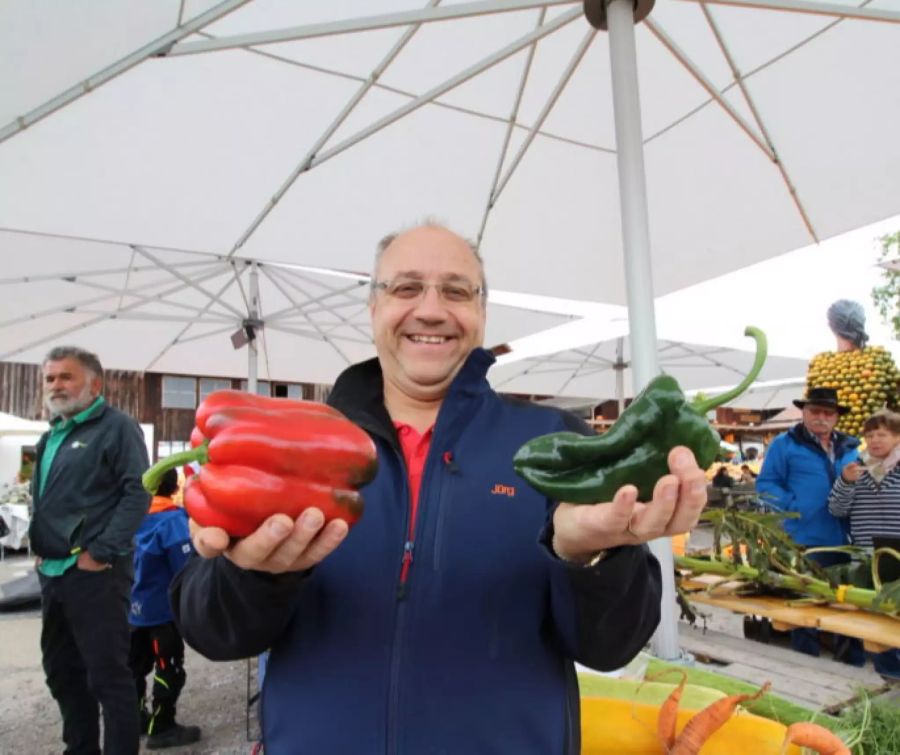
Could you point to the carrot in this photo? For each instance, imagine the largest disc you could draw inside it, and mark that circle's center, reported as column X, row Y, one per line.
column 702, row 726
column 668, row 714
column 815, row 737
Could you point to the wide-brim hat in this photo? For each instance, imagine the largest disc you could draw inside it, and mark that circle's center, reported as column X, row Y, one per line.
column 822, row 397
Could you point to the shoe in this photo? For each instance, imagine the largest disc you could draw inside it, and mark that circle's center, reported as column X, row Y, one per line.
column 174, row 736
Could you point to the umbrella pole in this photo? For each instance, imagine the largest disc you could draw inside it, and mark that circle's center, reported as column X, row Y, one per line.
column 252, row 351
column 619, row 367
column 638, row 271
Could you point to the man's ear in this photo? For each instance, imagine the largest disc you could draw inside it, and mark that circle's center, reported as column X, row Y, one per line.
column 96, row 386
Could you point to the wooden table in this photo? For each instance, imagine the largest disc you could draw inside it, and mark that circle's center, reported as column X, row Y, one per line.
column 878, row 632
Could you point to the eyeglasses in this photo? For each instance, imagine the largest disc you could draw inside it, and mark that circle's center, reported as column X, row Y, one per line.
column 412, row 289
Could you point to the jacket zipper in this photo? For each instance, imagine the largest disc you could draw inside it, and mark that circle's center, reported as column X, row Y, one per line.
column 400, row 621
column 453, row 469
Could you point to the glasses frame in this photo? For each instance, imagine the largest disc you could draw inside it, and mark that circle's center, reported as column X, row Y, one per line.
column 478, row 291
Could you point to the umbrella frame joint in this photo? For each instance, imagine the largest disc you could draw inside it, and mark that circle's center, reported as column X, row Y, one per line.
column 595, row 12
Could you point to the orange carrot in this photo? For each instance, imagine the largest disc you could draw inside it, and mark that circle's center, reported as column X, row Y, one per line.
column 668, row 714
column 815, row 737
column 702, row 726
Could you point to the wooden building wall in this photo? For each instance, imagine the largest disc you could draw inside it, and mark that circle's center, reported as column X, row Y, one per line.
column 20, row 389
column 135, row 393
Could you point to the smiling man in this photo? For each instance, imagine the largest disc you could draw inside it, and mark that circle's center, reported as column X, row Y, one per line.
column 448, row 620
column 88, row 502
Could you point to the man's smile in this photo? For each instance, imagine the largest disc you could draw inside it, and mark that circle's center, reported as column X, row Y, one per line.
column 420, row 338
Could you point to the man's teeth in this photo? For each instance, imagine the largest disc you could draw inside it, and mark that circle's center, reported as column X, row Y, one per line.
column 428, row 339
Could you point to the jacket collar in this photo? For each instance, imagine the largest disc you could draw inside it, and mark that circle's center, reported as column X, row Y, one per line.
column 841, row 442
column 359, row 391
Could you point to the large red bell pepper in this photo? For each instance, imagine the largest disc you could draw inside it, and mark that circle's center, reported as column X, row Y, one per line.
column 263, row 456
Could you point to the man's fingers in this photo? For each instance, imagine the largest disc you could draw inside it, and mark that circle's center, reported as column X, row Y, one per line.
column 621, row 509
column 691, row 502
column 299, row 551
column 654, row 518
column 330, row 537
column 252, row 551
column 209, row 542
column 682, row 462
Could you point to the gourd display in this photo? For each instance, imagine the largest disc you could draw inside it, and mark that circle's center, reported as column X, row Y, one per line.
column 865, row 379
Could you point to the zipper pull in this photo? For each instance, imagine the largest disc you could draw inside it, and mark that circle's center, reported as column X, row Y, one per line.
column 402, row 588
column 451, row 465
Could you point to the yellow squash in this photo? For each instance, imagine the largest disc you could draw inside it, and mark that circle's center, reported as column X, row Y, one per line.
column 619, row 727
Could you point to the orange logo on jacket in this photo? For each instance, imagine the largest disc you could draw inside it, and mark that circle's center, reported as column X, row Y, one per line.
column 507, row 490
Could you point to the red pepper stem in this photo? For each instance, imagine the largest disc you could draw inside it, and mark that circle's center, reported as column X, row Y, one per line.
column 153, row 476
column 703, row 405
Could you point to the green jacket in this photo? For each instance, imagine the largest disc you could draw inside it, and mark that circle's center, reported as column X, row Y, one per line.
column 93, row 498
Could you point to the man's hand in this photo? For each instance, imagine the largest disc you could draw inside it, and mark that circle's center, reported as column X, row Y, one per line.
column 582, row 531
column 86, row 562
column 852, row 472
column 279, row 545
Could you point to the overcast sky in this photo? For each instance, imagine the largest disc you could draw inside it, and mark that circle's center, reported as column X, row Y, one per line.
column 787, row 297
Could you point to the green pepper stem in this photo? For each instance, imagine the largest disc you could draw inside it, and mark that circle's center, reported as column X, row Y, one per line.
column 153, row 476
column 705, row 404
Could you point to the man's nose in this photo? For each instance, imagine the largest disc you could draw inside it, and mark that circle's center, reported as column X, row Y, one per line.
column 430, row 304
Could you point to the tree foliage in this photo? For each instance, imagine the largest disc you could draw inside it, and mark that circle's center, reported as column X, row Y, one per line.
column 887, row 296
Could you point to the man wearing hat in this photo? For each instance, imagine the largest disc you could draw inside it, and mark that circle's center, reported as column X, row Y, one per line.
column 800, row 467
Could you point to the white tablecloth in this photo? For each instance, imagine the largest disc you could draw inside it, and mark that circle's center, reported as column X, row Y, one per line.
column 16, row 517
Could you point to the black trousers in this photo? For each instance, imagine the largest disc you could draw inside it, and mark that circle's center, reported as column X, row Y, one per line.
column 159, row 649
column 84, row 643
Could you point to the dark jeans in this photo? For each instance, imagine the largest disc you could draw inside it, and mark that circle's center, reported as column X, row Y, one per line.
column 84, row 643
column 159, row 649
column 846, row 649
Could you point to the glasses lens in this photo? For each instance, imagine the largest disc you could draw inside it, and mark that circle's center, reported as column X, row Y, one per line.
column 406, row 288
column 455, row 292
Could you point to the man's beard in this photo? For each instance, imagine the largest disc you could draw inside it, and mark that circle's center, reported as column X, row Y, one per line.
column 69, row 407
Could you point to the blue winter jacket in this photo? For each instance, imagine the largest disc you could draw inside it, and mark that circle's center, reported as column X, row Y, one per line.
column 162, row 546
column 474, row 656
column 797, row 475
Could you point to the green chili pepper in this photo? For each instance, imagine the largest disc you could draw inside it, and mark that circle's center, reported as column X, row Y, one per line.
column 634, row 451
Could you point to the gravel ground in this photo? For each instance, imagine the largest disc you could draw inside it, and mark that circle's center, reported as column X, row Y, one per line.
column 215, row 696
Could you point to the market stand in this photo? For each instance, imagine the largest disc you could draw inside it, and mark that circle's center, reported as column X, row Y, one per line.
column 877, row 632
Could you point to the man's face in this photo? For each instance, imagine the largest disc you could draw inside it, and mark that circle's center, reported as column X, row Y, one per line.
column 68, row 387
column 819, row 420
column 423, row 341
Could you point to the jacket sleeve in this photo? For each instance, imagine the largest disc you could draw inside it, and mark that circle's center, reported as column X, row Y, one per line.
column 772, row 483
column 130, row 462
column 606, row 613
column 227, row 613
column 840, row 501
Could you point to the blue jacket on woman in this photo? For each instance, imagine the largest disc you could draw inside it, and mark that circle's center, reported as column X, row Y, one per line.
column 475, row 653
column 797, row 476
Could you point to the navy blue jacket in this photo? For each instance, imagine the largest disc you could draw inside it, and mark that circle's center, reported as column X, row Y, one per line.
column 475, row 655
column 797, row 476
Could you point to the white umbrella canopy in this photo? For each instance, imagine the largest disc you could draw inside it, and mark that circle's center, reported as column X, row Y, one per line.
column 210, row 150
column 603, row 370
column 145, row 308
column 285, row 138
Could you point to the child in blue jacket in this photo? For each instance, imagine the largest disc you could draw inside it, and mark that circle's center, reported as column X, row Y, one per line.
column 162, row 546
